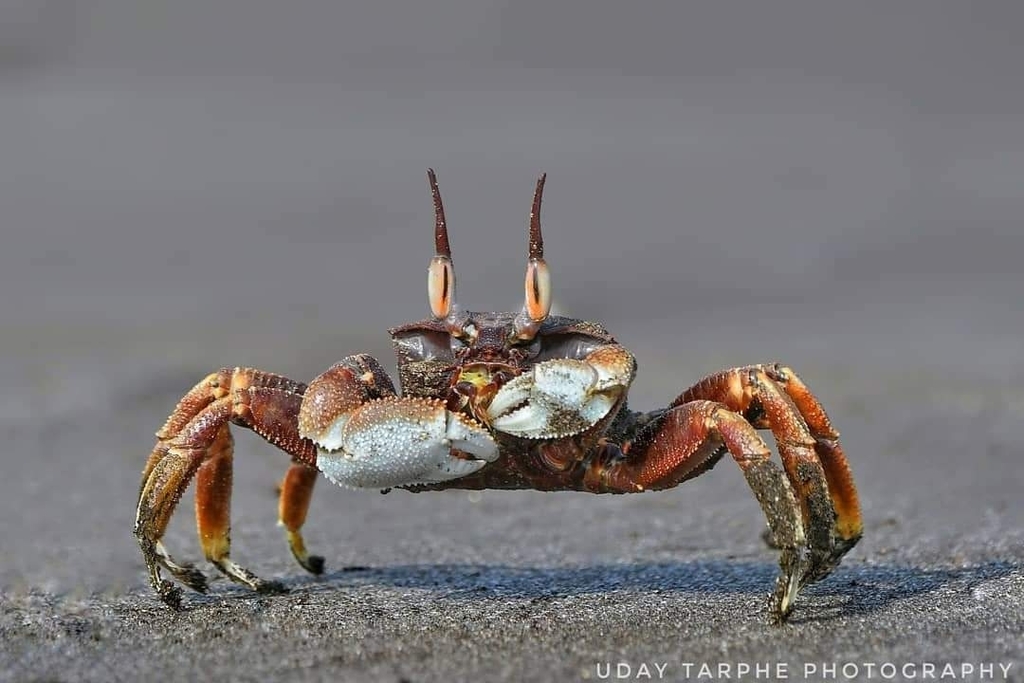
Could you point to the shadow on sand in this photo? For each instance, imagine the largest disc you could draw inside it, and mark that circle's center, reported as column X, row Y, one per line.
column 852, row 589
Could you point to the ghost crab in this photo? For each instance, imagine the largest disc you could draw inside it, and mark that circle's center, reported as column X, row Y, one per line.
column 525, row 400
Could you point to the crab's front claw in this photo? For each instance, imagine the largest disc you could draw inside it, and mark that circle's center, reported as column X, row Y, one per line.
column 563, row 396
column 402, row 441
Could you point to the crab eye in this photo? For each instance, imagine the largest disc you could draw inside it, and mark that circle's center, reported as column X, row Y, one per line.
column 441, row 286
column 538, row 290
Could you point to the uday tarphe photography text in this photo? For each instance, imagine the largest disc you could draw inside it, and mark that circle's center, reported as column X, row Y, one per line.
column 802, row 671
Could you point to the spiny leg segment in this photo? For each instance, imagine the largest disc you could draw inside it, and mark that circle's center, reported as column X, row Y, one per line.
column 688, row 440
column 774, row 397
column 296, row 493
column 810, row 503
column 196, row 440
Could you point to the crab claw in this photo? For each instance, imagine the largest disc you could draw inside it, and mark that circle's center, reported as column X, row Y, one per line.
column 563, row 396
column 402, row 441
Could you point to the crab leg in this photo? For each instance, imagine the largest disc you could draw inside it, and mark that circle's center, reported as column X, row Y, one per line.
column 296, row 494
column 688, row 440
column 849, row 524
column 772, row 396
column 213, row 513
column 196, row 438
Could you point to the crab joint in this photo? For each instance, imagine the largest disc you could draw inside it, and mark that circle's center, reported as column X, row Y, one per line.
column 538, row 278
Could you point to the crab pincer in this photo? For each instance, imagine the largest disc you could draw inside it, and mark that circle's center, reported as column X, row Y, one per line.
column 395, row 441
column 563, row 396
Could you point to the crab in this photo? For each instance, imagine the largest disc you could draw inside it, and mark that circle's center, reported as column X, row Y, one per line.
column 519, row 400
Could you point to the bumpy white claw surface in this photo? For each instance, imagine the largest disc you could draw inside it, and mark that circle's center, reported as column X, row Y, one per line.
column 557, row 398
column 403, row 441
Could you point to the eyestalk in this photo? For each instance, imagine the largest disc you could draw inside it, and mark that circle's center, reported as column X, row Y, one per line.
column 441, row 273
column 537, row 305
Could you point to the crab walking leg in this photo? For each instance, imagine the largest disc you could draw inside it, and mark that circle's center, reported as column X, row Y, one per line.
column 196, row 438
column 296, row 494
column 213, row 496
column 166, row 481
column 773, row 397
column 688, row 440
column 220, row 384
column 849, row 524
column 213, row 514
column 212, row 387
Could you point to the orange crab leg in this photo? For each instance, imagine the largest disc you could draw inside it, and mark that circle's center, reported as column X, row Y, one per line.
column 194, row 439
column 687, row 441
column 837, row 469
column 296, row 494
column 213, row 513
column 213, row 497
column 773, row 396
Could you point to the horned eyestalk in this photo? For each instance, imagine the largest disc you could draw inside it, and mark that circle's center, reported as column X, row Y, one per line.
column 441, row 274
column 538, row 280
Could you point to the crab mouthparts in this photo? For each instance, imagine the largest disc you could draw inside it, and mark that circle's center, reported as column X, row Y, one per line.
column 476, row 385
column 483, row 374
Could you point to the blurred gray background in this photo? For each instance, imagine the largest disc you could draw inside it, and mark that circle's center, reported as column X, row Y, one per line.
column 186, row 185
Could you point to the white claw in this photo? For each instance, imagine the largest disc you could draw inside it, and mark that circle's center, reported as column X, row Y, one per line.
column 404, row 441
column 556, row 398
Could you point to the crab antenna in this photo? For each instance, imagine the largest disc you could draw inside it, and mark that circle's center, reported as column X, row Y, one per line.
column 441, row 274
column 536, row 239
